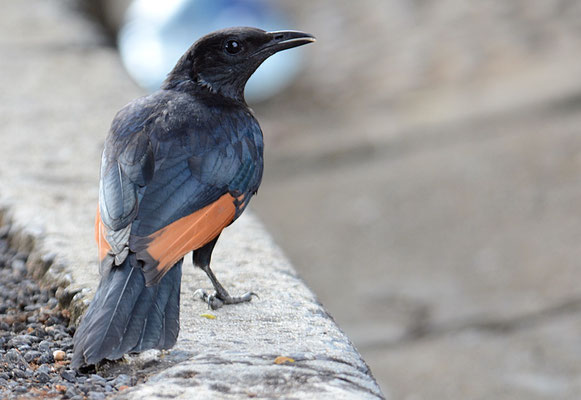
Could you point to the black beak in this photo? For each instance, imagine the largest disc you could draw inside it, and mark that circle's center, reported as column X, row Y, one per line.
column 283, row 40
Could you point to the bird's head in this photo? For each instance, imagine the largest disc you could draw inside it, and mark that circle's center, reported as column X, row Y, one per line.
column 223, row 61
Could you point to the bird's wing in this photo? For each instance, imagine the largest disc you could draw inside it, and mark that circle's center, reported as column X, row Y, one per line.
column 200, row 182
column 127, row 166
column 193, row 196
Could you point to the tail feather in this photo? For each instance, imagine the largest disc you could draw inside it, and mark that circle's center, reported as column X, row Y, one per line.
column 135, row 325
column 114, row 314
column 153, row 334
column 126, row 316
column 171, row 322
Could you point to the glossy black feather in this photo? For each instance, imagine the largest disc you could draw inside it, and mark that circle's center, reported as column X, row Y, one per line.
column 102, row 328
column 162, row 325
column 195, row 160
column 126, row 316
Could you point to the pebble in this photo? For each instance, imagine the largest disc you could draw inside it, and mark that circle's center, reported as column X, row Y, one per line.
column 71, row 392
column 121, row 380
column 31, row 355
column 41, row 377
column 98, row 379
column 20, row 389
column 36, row 342
column 20, row 340
column 44, row 346
column 96, row 396
column 44, row 368
column 12, row 356
column 46, row 359
column 58, row 355
column 18, row 373
column 69, row 375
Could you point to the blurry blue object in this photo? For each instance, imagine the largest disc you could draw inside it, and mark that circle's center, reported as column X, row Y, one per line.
column 156, row 33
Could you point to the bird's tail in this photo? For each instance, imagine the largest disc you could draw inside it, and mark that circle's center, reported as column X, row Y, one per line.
column 125, row 316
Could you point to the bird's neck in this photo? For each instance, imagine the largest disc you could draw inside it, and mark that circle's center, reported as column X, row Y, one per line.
column 199, row 85
column 226, row 85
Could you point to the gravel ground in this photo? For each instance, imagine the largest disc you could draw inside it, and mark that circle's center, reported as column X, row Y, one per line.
column 36, row 341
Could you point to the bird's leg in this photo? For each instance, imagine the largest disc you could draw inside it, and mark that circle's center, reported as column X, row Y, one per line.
column 220, row 296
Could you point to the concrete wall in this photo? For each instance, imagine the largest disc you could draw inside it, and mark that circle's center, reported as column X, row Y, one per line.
column 61, row 85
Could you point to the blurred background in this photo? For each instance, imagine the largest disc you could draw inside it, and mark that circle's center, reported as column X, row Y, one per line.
column 422, row 173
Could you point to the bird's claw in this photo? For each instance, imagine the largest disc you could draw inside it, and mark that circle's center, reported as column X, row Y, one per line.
column 215, row 300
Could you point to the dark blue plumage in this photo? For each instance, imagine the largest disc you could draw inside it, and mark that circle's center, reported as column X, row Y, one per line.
column 128, row 316
column 179, row 165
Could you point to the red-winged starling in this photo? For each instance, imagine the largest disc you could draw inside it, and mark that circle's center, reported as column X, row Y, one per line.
column 178, row 167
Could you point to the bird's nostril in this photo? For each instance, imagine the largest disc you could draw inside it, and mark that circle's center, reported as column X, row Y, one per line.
column 279, row 36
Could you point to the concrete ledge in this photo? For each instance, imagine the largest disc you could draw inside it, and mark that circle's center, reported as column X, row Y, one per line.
column 61, row 88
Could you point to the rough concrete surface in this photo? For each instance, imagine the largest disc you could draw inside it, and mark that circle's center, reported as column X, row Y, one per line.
column 60, row 89
column 431, row 192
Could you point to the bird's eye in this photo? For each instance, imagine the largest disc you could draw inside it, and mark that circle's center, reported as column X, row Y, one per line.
column 232, row 46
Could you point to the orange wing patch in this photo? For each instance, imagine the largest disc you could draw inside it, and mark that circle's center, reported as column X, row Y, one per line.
column 171, row 243
column 100, row 235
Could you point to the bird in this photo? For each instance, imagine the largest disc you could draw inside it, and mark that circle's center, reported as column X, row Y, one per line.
column 178, row 166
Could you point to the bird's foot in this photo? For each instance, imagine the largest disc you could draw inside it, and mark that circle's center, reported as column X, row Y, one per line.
column 217, row 300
